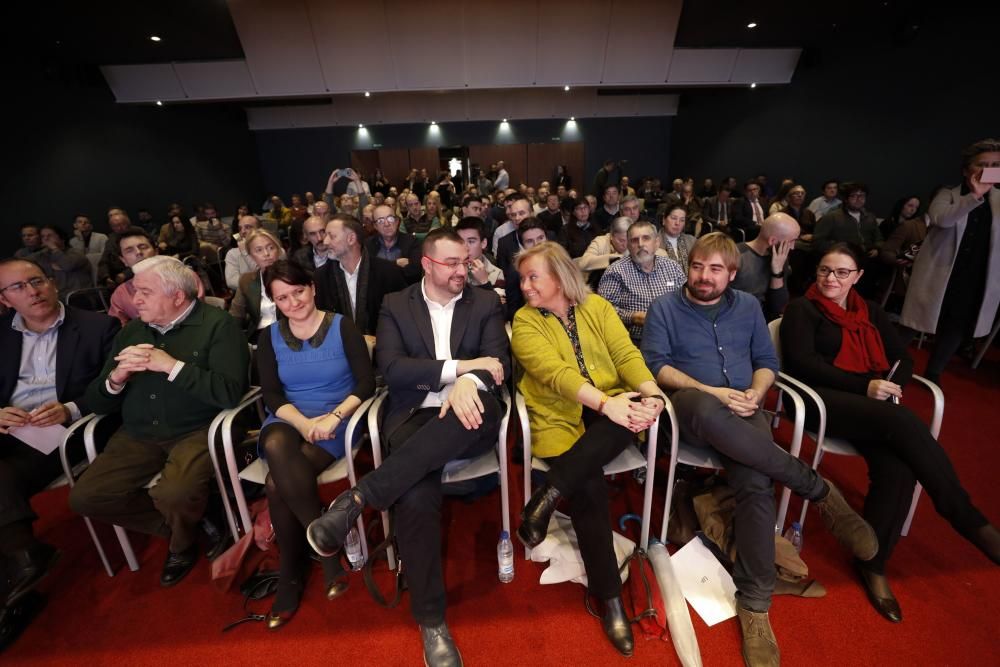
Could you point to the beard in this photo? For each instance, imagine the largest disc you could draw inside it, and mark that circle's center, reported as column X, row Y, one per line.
column 704, row 291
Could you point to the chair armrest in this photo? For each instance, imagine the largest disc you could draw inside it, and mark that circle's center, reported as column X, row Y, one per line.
column 352, row 426
column 805, row 391
column 373, row 413
column 938, row 414
column 668, row 407
column 224, row 420
column 70, row 431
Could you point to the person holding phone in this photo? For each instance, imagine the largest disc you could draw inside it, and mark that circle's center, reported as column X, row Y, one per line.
column 841, row 345
column 954, row 289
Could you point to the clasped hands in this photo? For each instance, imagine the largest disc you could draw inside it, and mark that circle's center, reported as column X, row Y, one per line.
column 634, row 415
column 742, row 403
column 50, row 414
column 137, row 358
column 464, row 398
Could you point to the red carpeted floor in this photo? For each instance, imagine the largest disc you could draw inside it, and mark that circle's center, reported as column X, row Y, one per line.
column 949, row 592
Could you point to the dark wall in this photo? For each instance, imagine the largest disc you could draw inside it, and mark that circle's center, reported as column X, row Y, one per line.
column 76, row 150
column 301, row 159
column 895, row 117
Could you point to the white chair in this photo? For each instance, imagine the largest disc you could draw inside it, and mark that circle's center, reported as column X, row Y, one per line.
column 456, row 471
column 825, row 443
column 69, row 477
column 257, row 470
column 630, row 459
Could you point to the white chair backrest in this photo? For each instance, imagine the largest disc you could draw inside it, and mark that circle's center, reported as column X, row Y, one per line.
column 215, row 301
column 774, row 328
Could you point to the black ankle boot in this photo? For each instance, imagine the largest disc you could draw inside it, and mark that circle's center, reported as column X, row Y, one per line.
column 326, row 534
column 617, row 626
column 987, row 539
column 536, row 514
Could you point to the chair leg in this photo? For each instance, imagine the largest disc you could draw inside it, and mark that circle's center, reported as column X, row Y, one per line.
column 913, row 508
column 133, row 563
column 805, row 503
column 100, row 548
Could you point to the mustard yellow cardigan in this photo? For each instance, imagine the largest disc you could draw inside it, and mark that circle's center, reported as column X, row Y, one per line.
column 552, row 377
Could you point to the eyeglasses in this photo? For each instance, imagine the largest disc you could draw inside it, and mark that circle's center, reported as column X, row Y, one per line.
column 387, row 220
column 451, row 263
column 20, row 286
column 840, row 274
column 986, row 165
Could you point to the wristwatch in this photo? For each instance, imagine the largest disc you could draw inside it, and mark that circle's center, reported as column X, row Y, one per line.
column 780, row 274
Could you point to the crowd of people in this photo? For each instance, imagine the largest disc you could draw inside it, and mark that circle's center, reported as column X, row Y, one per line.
column 620, row 300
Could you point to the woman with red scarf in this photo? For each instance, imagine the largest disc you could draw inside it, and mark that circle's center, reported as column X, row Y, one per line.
column 843, row 346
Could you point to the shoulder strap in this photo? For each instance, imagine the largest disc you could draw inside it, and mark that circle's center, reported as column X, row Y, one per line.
column 380, row 553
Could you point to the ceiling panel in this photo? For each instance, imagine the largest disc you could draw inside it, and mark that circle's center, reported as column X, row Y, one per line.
column 765, row 65
column 143, row 83
column 278, row 42
column 640, row 51
column 501, row 58
column 216, row 79
column 351, row 43
column 572, row 52
column 426, row 48
column 702, row 65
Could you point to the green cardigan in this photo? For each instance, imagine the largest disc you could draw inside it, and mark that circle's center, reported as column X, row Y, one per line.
column 552, row 378
column 214, row 376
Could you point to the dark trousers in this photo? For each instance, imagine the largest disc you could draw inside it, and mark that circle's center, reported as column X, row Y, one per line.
column 959, row 311
column 753, row 463
column 113, row 487
column 24, row 471
column 900, row 451
column 410, row 479
column 578, row 475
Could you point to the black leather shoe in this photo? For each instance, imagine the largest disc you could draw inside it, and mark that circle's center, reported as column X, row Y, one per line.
column 178, row 565
column 617, row 626
column 26, row 567
column 439, row 647
column 326, row 534
column 218, row 537
column 16, row 617
column 536, row 514
column 877, row 588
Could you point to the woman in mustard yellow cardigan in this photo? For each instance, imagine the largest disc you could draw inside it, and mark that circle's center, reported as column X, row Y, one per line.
column 588, row 392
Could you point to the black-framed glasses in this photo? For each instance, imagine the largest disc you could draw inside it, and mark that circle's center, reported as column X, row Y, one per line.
column 20, row 286
column 387, row 220
column 840, row 274
column 451, row 263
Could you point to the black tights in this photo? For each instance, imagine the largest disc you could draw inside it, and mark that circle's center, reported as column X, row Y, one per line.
column 293, row 500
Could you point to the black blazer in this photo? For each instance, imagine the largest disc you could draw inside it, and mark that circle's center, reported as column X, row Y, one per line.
column 384, row 277
column 409, row 247
column 405, row 351
column 82, row 348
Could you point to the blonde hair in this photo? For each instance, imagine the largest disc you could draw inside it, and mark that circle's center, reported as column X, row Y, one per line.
column 716, row 242
column 255, row 234
column 558, row 263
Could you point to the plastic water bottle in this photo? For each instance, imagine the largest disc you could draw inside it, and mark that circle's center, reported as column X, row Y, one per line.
column 794, row 535
column 352, row 545
column 505, row 558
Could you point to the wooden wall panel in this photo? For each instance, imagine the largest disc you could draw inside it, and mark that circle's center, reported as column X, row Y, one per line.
column 515, row 157
column 395, row 163
column 543, row 158
column 426, row 158
column 365, row 162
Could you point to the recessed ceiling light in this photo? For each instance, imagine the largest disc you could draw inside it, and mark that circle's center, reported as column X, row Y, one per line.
column 566, row 88
column 753, row 85
column 154, row 38
column 367, row 94
column 433, row 123
column 752, row 25
column 159, row 103
column 504, row 120
column 573, row 118
column 361, row 126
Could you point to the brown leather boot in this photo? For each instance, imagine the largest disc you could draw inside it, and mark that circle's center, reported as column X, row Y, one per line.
column 760, row 648
column 847, row 526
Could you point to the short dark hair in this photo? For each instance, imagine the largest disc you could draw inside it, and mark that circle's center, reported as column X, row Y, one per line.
column 750, row 181
column 608, row 187
column 725, row 188
column 852, row 250
column 468, row 199
column 439, row 234
column 970, row 153
column 352, row 224
column 528, row 224
column 28, row 224
column 59, row 231
column 81, row 215
column 132, row 232
column 829, row 181
column 847, row 189
column 670, row 209
column 514, row 196
column 287, row 272
column 471, row 222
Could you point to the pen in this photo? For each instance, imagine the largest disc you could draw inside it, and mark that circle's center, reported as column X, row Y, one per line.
column 892, row 371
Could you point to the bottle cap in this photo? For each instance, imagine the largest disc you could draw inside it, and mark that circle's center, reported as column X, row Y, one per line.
column 796, row 526
column 504, row 535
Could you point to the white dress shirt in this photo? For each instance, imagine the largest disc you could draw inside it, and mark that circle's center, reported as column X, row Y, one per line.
column 441, row 318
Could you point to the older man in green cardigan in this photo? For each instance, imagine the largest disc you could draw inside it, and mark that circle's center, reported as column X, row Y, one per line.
column 170, row 372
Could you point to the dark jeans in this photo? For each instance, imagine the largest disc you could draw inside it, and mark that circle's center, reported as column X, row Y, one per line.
column 24, row 471
column 578, row 475
column 753, row 463
column 410, row 479
column 113, row 488
column 957, row 320
column 900, row 451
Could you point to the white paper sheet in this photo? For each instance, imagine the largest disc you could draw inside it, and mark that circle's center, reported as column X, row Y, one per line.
column 45, row 439
column 705, row 583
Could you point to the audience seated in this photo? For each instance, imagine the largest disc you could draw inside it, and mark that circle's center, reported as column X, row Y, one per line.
column 581, row 378
column 177, row 238
column 482, row 272
column 551, row 215
column 110, row 270
column 763, row 266
column 529, row 234
column 314, row 373
column 632, row 283
column 51, row 353
column 393, row 245
column 673, row 241
column 853, row 223
column 213, row 236
column 708, row 345
column 85, row 239
column 606, row 212
column 604, row 250
column 719, row 210
column 31, row 240
column 353, row 282
column 577, row 234
column 70, row 268
column 518, row 211
column 168, row 374
column 443, row 404
column 828, row 201
column 842, row 346
column 313, row 254
column 749, row 216
column 251, row 306
column 792, row 204
column 238, row 260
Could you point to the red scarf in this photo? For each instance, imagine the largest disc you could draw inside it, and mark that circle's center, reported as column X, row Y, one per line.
column 861, row 349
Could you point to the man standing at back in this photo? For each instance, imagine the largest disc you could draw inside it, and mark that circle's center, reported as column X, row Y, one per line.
column 502, row 181
column 50, row 354
column 444, row 354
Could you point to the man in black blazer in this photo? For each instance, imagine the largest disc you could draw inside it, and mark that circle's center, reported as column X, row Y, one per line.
column 353, row 282
column 50, row 354
column 391, row 244
column 443, row 351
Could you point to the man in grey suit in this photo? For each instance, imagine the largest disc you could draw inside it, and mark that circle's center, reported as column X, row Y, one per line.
column 443, row 351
